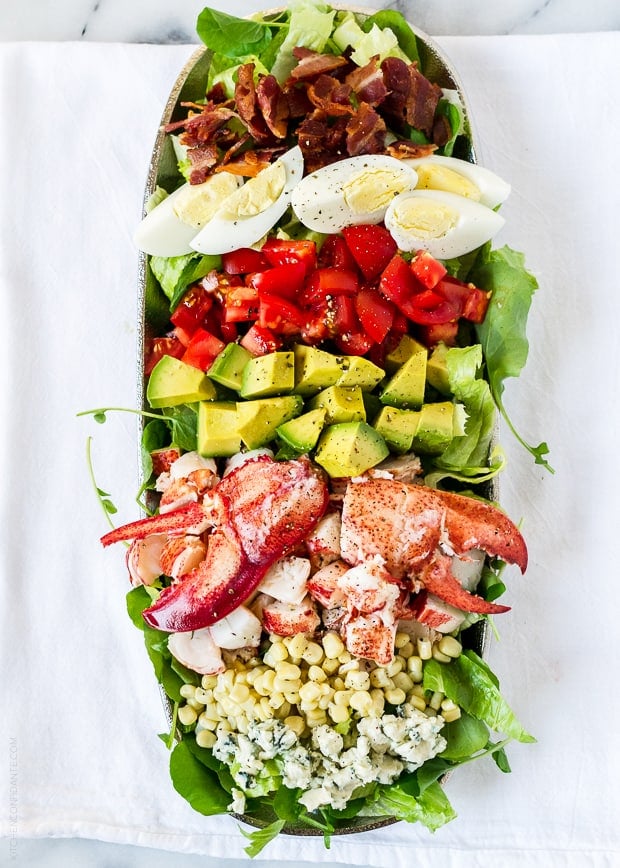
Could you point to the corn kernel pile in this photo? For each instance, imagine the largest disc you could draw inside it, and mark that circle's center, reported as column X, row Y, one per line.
column 305, row 683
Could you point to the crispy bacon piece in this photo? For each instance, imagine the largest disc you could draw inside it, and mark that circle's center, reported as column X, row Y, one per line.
column 441, row 130
column 248, row 163
column 332, row 96
column 247, row 104
column 203, row 158
column 273, row 105
column 296, row 95
column 201, row 124
column 412, row 98
column 322, row 141
column 367, row 83
column 403, row 149
column 365, row 132
column 311, row 64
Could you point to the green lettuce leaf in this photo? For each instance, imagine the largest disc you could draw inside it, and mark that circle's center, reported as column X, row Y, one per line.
column 175, row 273
column 197, row 783
column 231, row 36
column 429, row 807
column 309, row 26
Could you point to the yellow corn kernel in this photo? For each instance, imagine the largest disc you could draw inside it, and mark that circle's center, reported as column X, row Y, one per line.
column 296, row 723
column 276, row 699
column 240, row 693
column 395, row 696
column 292, row 697
column 187, row 691
column 417, row 701
column 187, row 715
column 439, row 657
column 254, row 674
column 296, row 645
column 330, row 665
column 283, row 685
column 418, row 690
column 337, row 682
column 205, row 738
column 407, row 650
column 345, row 658
column 436, row 700
column 193, row 703
column 266, row 708
column 203, row 696
column 450, row 646
column 403, row 681
column 209, row 681
column 283, row 711
column 361, row 701
column 357, row 680
column 313, row 653
column 316, row 717
column 310, row 692
column 415, row 667
column 378, row 702
column 425, row 649
column 380, row 678
column 349, row 666
column 289, row 671
column 342, row 697
column 315, row 673
column 401, row 639
column 205, row 722
column 332, row 645
column 223, row 726
column 338, row 713
column 395, row 667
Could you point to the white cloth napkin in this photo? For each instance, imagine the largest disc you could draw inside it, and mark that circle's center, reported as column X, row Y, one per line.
column 80, row 710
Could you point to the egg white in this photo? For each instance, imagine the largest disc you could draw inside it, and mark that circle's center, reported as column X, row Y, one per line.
column 226, row 232
column 320, row 199
column 493, row 189
column 161, row 233
column 473, row 224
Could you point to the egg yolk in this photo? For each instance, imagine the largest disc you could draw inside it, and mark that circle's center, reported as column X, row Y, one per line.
column 258, row 193
column 373, row 189
column 425, row 219
column 197, row 203
column 433, row 177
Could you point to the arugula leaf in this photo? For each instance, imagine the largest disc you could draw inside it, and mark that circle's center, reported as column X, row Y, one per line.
column 184, row 423
column 231, row 36
column 469, row 683
column 261, row 837
column 199, row 785
column 503, row 332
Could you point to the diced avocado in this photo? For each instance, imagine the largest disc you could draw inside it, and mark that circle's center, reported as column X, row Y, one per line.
column 397, row 427
column 350, row 448
column 341, row 404
column 357, row 371
column 301, row 434
column 257, row 420
column 174, row 382
column 218, row 433
column 264, row 376
column 437, row 369
column 228, row 366
column 405, row 388
column 406, row 347
column 435, row 428
column 315, row 369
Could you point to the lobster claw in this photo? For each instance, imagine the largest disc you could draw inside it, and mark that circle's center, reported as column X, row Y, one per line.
column 189, row 519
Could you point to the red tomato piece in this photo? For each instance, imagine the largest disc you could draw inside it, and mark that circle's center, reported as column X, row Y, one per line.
column 281, row 251
column 190, row 312
column 354, row 343
column 280, row 315
column 428, row 270
column 476, row 305
column 398, row 283
column 169, row 345
column 372, row 248
column 375, row 313
column 259, row 341
column 244, row 261
column 241, row 304
column 334, row 253
column 282, row 280
column 326, row 282
column 445, row 332
column 202, row 349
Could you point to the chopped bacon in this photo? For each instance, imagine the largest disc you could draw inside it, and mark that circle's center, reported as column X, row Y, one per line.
column 297, row 99
column 403, row 149
column 200, row 125
column 365, row 132
column 249, row 163
column 312, row 64
column 203, row 158
column 367, row 83
column 247, row 104
column 441, row 130
column 322, row 142
column 273, row 105
column 332, row 96
column 412, row 97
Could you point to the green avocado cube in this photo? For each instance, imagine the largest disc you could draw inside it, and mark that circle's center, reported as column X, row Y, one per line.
column 397, row 427
column 264, row 376
column 350, row 448
column 435, row 429
column 357, row 371
column 300, row 435
column 228, row 366
column 258, row 420
column 341, row 404
column 315, row 369
column 406, row 347
column 218, row 433
column 173, row 382
column 405, row 388
column 437, row 369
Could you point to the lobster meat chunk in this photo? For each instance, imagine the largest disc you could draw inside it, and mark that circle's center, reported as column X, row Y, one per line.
column 260, row 512
column 415, row 531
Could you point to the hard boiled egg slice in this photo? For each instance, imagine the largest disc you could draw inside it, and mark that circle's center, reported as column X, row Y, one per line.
column 252, row 210
column 445, row 224
column 352, row 191
column 458, row 176
column 168, row 229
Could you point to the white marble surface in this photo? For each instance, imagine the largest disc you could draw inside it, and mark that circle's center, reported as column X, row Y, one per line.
column 161, row 21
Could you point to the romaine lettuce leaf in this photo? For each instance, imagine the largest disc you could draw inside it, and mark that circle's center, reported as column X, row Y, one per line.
column 175, row 273
column 309, row 26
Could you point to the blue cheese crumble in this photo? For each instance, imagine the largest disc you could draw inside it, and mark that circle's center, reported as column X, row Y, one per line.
column 326, row 771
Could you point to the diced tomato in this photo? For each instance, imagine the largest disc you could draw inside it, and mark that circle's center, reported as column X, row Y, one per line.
column 259, row 341
column 229, row 332
column 241, row 304
column 158, row 347
column 181, row 335
column 372, row 248
column 325, row 282
column 354, row 343
column 375, row 313
column 444, row 312
column 445, row 332
column 202, row 349
column 244, row 261
column 280, row 251
column 280, row 315
column 283, row 280
column 344, row 316
column 334, row 253
column 476, row 305
column 400, row 325
column 398, row 283
column 428, row 270
column 189, row 314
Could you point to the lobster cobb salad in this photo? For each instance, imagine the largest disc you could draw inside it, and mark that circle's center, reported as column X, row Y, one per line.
column 328, row 331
